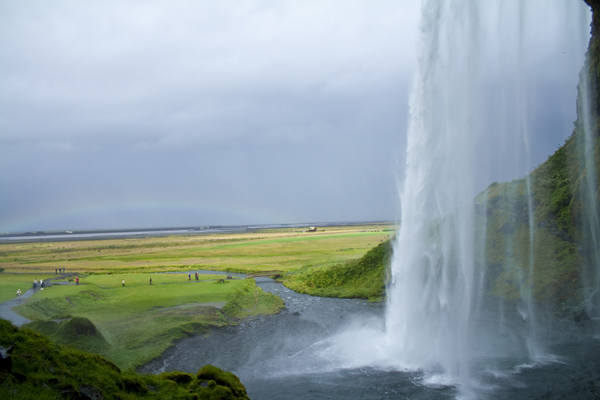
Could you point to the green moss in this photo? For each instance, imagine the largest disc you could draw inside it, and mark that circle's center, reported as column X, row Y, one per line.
column 78, row 332
column 38, row 368
column 224, row 379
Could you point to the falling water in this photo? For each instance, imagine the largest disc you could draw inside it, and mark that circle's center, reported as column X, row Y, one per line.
column 591, row 195
column 436, row 299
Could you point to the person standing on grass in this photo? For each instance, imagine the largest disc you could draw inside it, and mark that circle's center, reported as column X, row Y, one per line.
column 41, row 284
column 18, row 293
column 189, row 276
column 63, row 270
column 123, row 282
column 34, row 283
column 151, row 281
column 197, row 277
column 77, row 280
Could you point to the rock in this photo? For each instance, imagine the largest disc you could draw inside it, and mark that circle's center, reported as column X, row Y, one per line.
column 5, row 359
column 580, row 315
column 90, row 392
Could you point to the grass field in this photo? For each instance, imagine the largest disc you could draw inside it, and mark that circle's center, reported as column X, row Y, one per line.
column 268, row 250
column 115, row 280
column 140, row 321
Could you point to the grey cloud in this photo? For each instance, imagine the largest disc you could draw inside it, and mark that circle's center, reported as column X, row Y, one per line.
column 132, row 114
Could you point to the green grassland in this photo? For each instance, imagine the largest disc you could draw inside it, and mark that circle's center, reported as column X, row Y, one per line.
column 136, row 323
column 115, row 280
column 37, row 368
column 269, row 250
column 363, row 278
column 131, row 325
column 9, row 283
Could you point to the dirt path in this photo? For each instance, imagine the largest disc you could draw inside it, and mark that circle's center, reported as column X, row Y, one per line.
column 7, row 313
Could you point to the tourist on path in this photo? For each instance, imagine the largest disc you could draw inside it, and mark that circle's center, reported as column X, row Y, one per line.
column 34, row 283
column 41, row 284
column 123, row 282
column 19, row 293
column 77, row 280
column 189, row 276
column 197, row 277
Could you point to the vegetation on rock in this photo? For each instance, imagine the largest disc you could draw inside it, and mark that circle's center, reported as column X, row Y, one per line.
column 33, row 367
column 554, row 264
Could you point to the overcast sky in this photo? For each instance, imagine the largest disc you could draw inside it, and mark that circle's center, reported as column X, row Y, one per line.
column 118, row 114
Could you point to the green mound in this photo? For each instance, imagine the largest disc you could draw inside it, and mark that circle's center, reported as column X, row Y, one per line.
column 364, row 278
column 77, row 332
column 33, row 367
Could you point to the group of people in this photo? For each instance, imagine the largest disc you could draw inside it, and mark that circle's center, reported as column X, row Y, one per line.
column 190, row 276
column 57, row 270
column 41, row 283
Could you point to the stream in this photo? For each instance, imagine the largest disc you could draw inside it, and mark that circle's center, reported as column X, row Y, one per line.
column 291, row 356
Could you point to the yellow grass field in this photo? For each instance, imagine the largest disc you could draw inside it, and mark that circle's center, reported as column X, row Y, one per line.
column 252, row 252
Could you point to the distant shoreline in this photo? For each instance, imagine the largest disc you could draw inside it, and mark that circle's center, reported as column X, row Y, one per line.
column 80, row 235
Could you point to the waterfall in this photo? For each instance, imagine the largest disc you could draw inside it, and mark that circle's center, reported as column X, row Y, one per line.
column 470, row 123
column 591, row 199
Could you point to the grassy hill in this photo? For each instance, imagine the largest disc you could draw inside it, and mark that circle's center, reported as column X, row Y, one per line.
column 363, row 278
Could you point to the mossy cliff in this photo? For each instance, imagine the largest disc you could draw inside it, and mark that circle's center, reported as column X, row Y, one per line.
column 33, row 367
column 554, row 260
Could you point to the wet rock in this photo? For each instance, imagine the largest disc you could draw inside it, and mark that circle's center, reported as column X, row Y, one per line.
column 580, row 315
column 5, row 359
column 89, row 392
column 68, row 391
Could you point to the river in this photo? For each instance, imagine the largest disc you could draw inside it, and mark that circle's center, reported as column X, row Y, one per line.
column 290, row 356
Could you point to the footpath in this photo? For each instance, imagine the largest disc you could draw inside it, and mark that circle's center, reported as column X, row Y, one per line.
column 6, row 311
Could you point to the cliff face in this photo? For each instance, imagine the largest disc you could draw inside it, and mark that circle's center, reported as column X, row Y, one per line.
column 546, row 247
